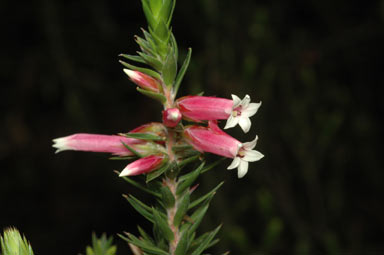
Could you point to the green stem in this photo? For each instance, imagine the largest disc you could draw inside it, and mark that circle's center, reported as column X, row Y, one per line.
column 171, row 212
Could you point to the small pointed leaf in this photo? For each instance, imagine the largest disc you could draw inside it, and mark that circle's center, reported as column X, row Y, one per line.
column 204, row 244
column 140, row 207
column 182, row 71
column 189, row 180
column 181, row 209
column 139, row 186
column 154, row 174
column 169, row 69
column 132, row 150
column 148, row 14
column 144, row 136
column 167, row 197
column 157, row 96
column 141, row 69
column 152, row 61
column 162, row 225
column 207, row 196
column 133, row 58
column 182, row 246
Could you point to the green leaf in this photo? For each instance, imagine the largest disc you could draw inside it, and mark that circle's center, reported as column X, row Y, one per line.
column 139, row 186
column 167, row 197
column 101, row 246
column 155, row 7
column 182, row 209
column 206, row 242
column 189, row 179
column 13, row 243
column 169, row 69
column 147, row 47
column 182, row 71
column 166, row 11
column 174, row 46
column 140, row 207
column 188, row 160
column 171, row 12
column 141, row 69
column 152, row 61
column 143, row 245
column 154, row 174
column 132, row 150
column 162, row 225
column 197, row 217
column 157, row 96
column 207, row 196
column 133, row 58
column 212, row 165
column 182, row 246
column 148, row 14
column 145, row 236
column 162, row 32
column 144, row 136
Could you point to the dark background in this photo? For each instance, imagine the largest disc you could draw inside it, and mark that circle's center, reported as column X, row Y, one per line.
column 315, row 65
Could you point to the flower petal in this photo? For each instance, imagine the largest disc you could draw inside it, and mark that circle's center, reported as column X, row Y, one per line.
column 242, row 169
column 236, row 101
column 250, row 145
column 245, row 102
column 231, row 122
column 245, row 123
column 251, row 109
column 235, row 163
column 252, row 155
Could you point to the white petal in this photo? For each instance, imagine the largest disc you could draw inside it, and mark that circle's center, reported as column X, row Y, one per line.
column 245, row 102
column 250, row 145
column 252, row 156
column 245, row 123
column 242, row 169
column 236, row 101
column 234, row 164
column 231, row 122
column 251, row 109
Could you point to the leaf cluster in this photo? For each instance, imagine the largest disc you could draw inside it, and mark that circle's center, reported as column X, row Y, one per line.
column 12, row 243
column 101, row 246
column 176, row 214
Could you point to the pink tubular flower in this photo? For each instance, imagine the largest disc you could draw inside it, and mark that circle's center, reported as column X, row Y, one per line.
column 96, row 143
column 171, row 117
column 144, row 165
column 235, row 111
column 199, row 108
column 143, row 81
column 212, row 139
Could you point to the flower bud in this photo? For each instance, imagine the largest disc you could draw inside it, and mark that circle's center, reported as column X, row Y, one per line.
column 171, row 117
column 143, row 81
column 144, row 165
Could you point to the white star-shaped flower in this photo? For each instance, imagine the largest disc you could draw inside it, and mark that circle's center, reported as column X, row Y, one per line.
column 245, row 155
column 241, row 111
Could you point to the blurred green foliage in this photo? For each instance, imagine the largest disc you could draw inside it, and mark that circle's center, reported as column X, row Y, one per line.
column 316, row 65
